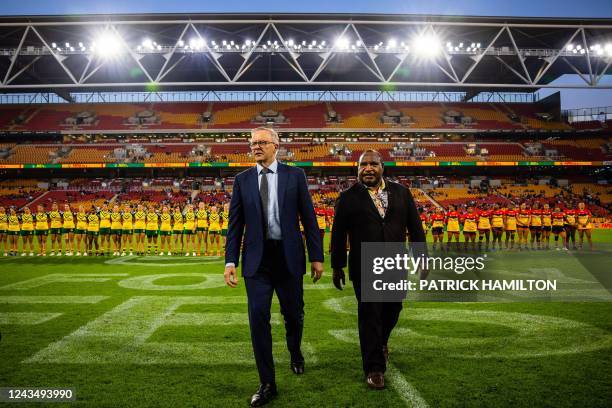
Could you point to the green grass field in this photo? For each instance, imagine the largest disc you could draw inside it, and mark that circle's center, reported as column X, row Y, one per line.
column 165, row 331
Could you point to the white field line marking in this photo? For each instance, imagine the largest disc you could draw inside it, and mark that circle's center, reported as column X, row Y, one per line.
column 147, row 282
column 51, row 299
column 26, row 318
column 142, row 261
column 62, row 278
column 121, row 336
column 407, row 392
column 215, row 319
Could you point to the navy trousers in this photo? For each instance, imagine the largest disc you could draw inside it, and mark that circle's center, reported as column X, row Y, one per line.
column 273, row 276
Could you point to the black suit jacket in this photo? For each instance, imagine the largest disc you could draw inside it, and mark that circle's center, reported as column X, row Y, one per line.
column 357, row 216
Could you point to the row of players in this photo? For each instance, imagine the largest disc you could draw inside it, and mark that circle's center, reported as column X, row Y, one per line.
column 123, row 228
column 530, row 225
column 128, row 229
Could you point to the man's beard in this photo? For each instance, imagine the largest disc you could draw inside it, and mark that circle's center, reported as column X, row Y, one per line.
column 371, row 183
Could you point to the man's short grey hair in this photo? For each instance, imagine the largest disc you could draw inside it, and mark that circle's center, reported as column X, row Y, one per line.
column 269, row 130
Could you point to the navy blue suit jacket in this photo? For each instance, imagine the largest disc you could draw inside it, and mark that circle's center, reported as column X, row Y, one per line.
column 245, row 218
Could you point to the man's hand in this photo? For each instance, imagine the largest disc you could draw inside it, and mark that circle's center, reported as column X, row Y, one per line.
column 316, row 270
column 337, row 277
column 231, row 279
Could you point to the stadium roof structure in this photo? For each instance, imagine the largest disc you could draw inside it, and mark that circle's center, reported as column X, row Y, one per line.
column 300, row 52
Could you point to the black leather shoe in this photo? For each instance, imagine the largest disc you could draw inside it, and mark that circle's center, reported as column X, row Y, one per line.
column 297, row 367
column 264, row 394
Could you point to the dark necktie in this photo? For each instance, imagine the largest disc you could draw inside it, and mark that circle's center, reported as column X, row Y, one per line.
column 265, row 197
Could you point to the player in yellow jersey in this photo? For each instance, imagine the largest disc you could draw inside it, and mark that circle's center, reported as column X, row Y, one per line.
column 177, row 230
column 214, row 229
column 13, row 231
column 105, row 225
column 127, row 230
column 42, row 229
column 68, row 229
column 224, row 222
column 165, row 231
column 152, row 229
column 189, row 230
column 140, row 225
column 116, row 229
column 202, row 228
column 55, row 230
column 3, row 230
column 81, row 229
column 27, row 232
column 93, row 230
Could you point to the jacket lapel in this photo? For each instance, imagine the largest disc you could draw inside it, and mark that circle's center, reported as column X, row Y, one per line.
column 282, row 186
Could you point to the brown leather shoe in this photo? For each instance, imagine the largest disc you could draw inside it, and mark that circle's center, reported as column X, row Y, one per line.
column 386, row 353
column 376, row 380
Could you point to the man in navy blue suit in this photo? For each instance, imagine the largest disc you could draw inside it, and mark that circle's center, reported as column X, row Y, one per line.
column 268, row 202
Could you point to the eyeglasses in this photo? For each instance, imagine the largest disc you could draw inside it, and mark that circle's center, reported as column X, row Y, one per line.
column 260, row 143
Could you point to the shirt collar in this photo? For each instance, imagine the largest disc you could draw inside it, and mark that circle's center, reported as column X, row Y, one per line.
column 273, row 167
column 382, row 186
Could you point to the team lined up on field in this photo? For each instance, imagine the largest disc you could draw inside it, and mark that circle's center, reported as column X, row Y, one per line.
column 117, row 229
column 141, row 229
column 523, row 227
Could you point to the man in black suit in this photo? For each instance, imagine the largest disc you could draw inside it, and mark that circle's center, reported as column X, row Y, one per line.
column 372, row 210
column 268, row 203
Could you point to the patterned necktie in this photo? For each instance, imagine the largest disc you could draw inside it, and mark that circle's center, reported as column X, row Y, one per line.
column 264, row 195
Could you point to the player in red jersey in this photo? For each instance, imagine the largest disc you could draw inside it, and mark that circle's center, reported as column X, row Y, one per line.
column 546, row 226
column 452, row 227
column 558, row 227
column 522, row 224
column 497, row 223
column 484, row 227
column 424, row 222
column 470, row 223
column 437, row 227
column 535, row 226
column 570, row 225
column 585, row 226
column 510, row 225
column 329, row 212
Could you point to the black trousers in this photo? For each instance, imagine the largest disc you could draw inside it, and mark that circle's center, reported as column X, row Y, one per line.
column 273, row 276
column 376, row 322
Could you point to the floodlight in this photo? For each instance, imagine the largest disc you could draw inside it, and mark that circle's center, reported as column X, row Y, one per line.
column 107, row 45
column 428, row 45
column 54, row 45
column 342, row 43
column 181, row 43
